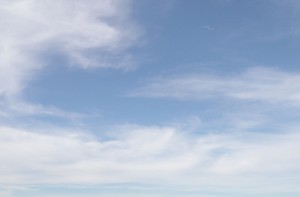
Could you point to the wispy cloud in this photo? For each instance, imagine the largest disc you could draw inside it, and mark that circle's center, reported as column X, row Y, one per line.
column 160, row 155
column 13, row 108
column 89, row 34
column 257, row 84
column 207, row 27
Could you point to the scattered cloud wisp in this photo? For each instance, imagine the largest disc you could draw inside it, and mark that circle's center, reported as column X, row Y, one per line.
column 89, row 34
column 258, row 84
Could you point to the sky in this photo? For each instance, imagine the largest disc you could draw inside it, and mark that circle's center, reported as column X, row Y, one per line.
column 141, row 98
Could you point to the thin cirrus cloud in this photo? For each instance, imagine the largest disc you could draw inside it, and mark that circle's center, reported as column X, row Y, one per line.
column 164, row 156
column 90, row 34
column 257, row 84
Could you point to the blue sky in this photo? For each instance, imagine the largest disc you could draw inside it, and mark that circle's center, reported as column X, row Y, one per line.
column 149, row 98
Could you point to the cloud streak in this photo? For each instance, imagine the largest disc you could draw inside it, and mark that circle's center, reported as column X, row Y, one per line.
column 256, row 84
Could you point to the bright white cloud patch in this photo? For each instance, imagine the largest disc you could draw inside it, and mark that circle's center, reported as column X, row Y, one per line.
column 261, row 84
column 89, row 34
column 160, row 155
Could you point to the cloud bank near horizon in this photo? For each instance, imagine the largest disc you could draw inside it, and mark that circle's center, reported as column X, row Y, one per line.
column 150, row 155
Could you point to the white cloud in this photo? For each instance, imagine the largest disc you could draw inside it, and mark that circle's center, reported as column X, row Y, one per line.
column 259, row 84
column 162, row 155
column 90, row 34
column 17, row 107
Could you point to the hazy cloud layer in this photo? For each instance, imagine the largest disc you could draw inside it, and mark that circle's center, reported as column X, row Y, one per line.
column 160, row 155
